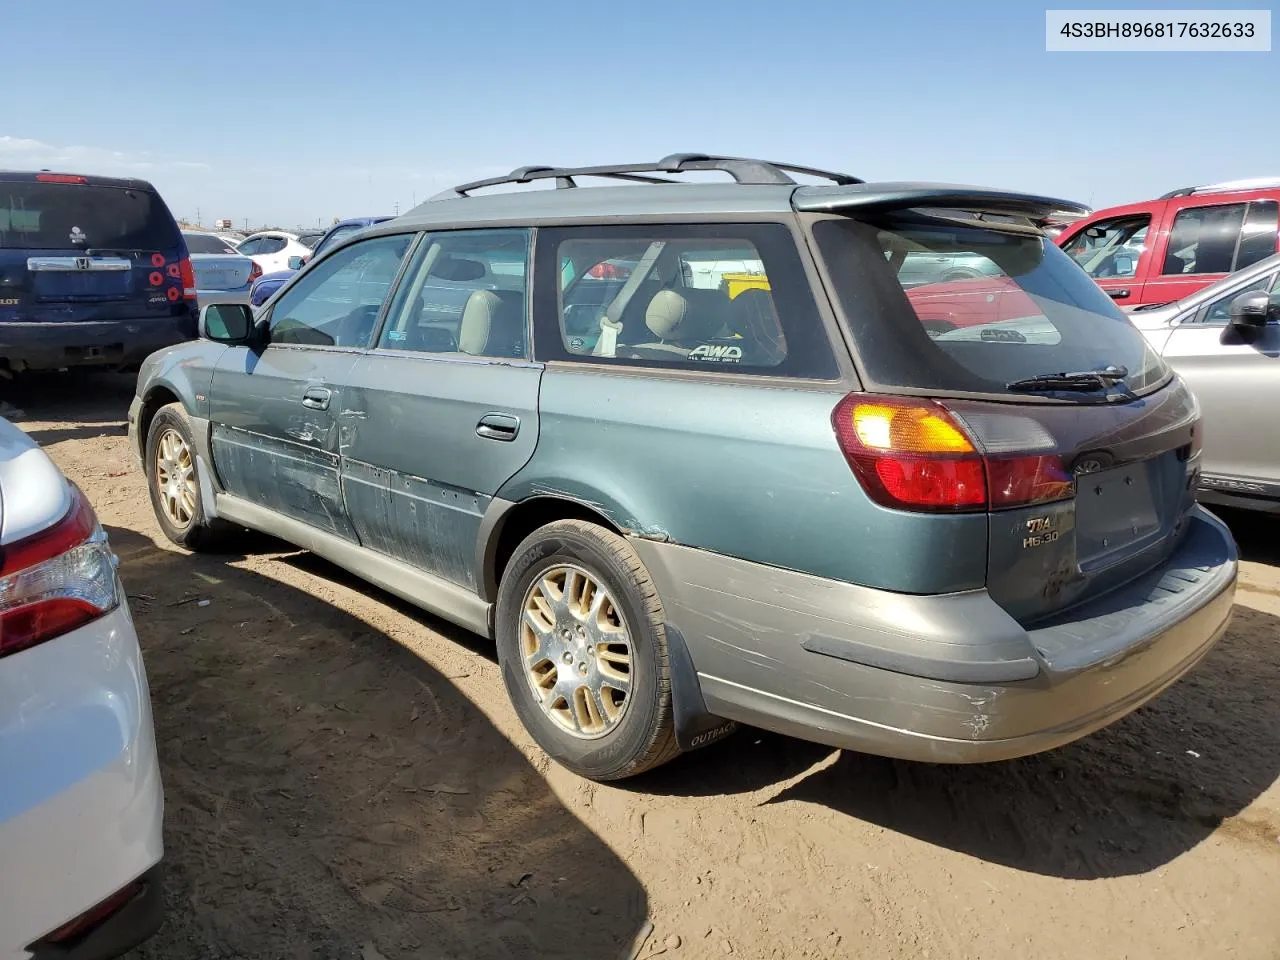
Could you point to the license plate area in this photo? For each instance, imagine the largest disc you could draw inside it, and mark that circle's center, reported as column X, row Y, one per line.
column 88, row 285
column 1116, row 514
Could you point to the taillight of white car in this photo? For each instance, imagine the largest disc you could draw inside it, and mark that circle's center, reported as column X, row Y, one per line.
column 56, row 580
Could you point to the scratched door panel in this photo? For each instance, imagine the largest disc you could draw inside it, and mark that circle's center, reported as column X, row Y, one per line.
column 272, row 448
column 417, row 472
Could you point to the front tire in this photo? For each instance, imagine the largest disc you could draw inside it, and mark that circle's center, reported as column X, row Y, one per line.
column 173, row 481
column 582, row 646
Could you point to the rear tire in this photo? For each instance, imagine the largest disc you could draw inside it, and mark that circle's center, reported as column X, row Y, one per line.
column 173, row 481
column 578, row 620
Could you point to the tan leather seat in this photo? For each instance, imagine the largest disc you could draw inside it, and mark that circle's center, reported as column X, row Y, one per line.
column 493, row 324
column 681, row 320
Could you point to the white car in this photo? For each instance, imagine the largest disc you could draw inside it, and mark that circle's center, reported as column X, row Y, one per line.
column 81, row 803
column 271, row 249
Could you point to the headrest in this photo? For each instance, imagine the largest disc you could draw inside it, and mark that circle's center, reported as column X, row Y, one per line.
column 686, row 315
column 492, row 324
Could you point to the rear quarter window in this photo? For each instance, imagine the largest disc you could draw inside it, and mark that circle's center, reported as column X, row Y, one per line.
column 61, row 216
column 732, row 298
column 1027, row 311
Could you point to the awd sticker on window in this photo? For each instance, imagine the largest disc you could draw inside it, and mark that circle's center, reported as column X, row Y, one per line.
column 721, row 353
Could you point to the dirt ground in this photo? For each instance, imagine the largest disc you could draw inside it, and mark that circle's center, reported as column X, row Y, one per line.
column 345, row 779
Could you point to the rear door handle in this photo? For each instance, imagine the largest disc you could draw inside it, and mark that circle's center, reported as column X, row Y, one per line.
column 1118, row 294
column 498, row 426
column 317, row 398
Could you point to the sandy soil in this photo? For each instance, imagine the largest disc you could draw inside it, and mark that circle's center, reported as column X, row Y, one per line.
column 345, row 778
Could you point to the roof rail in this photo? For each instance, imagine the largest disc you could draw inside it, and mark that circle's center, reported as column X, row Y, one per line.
column 1252, row 183
column 742, row 169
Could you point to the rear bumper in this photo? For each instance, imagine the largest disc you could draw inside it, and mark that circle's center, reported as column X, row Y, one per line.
column 950, row 679
column 54, row 345
column 206, row 297
column 81, row 803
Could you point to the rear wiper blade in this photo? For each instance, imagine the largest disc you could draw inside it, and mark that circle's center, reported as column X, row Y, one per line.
column 1083, row 381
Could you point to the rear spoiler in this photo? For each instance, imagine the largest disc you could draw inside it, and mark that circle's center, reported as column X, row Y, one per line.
column 878, row 197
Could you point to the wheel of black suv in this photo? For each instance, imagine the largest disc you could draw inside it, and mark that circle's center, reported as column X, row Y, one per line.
column 583, row 651
column 174, row 483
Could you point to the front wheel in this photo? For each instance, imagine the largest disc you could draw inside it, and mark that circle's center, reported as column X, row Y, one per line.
column 582, row 646
column 173, row 481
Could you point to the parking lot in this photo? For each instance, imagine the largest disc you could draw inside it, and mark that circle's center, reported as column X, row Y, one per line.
column 345, row 778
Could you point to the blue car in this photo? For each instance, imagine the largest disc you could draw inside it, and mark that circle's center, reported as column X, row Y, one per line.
column 269, row 283
column 93, row 272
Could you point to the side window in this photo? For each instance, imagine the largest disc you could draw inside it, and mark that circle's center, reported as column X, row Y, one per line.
column 1204, row 239
column 1258, row 239
column 1218, row 311
column 337, row 303
column 731, row 297
column 272, row 245
column 250, row 247
column 464, row 294
column 1110, row 248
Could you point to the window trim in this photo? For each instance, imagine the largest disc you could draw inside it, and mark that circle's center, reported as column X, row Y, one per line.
column 268, row 315
column 548, row 343
column 424, row 238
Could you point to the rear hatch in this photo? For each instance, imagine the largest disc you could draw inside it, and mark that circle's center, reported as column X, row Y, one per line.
column 1087, row 479
column 83, row 249
column 217, row 271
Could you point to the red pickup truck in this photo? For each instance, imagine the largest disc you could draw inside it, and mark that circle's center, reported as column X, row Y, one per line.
column 1165, row 249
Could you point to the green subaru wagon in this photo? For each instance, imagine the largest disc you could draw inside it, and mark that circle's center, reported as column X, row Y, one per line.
column 698, row 453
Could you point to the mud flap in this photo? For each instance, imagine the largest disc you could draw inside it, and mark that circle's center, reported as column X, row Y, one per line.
column 695, row 726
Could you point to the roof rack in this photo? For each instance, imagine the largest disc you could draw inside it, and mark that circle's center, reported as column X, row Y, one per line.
column 1226, row 186
column 742, row 169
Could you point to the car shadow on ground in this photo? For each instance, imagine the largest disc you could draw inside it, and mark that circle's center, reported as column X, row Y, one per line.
column 1126, row 800
column 1257, row 534
column 97, row 403
column 1123, row 801
column 329, row 794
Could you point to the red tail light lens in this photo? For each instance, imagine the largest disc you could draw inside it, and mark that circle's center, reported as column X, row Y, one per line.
column 188, row 276
column 56, row 580
column 916, row 455
column 255, row 271
column 59, row 178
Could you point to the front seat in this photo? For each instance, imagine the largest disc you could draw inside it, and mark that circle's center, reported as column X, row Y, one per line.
column 493, row 324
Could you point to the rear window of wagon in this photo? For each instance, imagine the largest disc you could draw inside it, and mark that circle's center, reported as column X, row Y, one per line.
column 1020, row 308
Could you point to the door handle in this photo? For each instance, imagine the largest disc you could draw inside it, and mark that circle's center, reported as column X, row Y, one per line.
column 498, row 426
column 317, row 398
column 1118, row 294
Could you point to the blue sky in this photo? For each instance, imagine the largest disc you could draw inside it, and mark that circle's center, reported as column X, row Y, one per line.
column 292, row 112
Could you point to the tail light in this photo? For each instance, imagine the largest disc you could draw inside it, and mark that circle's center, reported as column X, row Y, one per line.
column 95, row 915
column 59, row 178
column 255, row 271
column 56, row 580
column 917, row 455
column 188, row 276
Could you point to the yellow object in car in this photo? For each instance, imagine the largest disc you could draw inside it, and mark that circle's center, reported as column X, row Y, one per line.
column 736, row 283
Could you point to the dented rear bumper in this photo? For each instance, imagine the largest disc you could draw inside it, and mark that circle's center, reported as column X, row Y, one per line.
column 950, row 678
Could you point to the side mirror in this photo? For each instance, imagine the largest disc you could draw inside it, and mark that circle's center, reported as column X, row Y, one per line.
column 296, row 263
column 1249, row 310
column 227, row 323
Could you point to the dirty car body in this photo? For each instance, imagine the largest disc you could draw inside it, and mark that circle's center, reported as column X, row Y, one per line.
column 863, row 530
